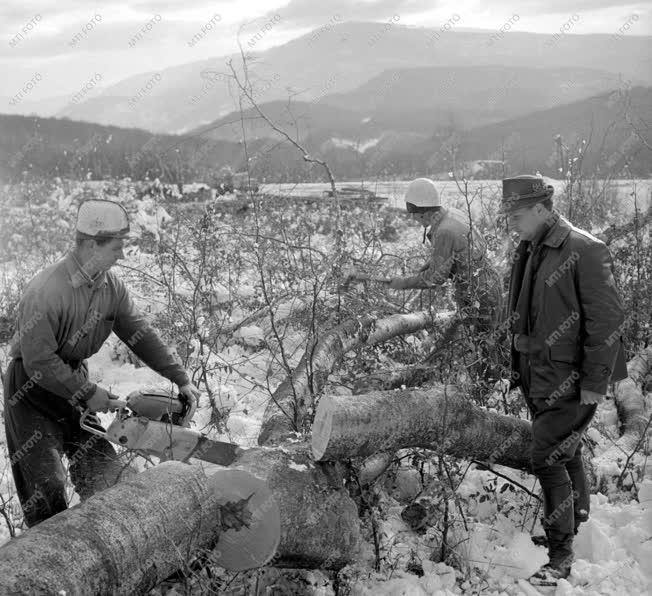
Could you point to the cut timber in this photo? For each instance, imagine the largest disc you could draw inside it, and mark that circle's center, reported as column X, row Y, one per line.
column 630, row 401
column 440, row 418
column 613, row 232
column 320, row 527
column 286, row 410
column 131, row 536
column 411, row 376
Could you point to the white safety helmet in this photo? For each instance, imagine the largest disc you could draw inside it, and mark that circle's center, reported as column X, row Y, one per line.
column 422, row 194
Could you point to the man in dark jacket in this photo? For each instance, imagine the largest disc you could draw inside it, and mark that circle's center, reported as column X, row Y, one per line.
column 567, row 319
column 67, row 312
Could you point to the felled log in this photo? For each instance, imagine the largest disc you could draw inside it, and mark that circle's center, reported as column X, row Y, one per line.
column 320, row 527
column 410, row 376
column 613, row 232
column 628, row 393
column 285, row 411
column 629, row 398
column 440, row 418
column 135, row 534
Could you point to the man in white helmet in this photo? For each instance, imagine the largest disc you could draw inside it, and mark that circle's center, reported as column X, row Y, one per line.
column 458, row 254
column 66, row 313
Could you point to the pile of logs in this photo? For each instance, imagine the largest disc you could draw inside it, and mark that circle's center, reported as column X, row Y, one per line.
column 133, row 535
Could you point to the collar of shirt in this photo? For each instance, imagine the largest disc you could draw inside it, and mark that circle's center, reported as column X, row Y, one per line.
column 79, row 277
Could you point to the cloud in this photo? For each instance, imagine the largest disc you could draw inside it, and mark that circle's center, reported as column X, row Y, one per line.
column 565, row 6
column 308, row 13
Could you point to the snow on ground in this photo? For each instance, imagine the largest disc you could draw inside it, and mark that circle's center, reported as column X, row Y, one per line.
column 613, row 549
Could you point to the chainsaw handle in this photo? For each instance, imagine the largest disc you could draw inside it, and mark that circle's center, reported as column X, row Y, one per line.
column 87, row 427
column 117, row 404
column 114, row 404
column 192, row 407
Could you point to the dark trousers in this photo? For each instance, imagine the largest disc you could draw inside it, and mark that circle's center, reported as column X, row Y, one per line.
column 557, row 429
column 40, row 428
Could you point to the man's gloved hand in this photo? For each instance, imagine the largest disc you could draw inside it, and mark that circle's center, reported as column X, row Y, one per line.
column 100, row 401
column 588, row 398
column 189, row 394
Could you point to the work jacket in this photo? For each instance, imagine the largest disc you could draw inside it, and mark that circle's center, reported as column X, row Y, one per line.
column 565, row 308
column 64, row 317
column 459, row 253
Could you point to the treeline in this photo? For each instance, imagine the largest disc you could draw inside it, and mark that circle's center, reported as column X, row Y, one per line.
column 609, row 132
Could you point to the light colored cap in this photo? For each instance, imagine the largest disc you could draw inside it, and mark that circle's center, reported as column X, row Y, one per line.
column 100, row 218
column 422, row 193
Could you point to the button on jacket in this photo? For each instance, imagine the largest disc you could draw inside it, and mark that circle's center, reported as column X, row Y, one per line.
column 64, row 317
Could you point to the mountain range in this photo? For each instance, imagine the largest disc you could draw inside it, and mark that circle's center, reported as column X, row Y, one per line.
column 373, row 101
column 342, row 65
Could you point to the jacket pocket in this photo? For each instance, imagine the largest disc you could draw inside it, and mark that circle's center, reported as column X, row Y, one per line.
column 564, row 353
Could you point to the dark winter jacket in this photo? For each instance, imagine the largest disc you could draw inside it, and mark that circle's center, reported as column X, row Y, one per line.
column 569, row 318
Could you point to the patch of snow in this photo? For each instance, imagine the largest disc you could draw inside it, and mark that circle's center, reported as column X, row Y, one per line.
column 359, row 146
column 296, row 466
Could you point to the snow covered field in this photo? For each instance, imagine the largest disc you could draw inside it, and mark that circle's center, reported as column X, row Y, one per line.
column 395, row 190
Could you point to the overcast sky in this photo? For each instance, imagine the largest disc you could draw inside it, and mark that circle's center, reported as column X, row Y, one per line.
column 39, row 34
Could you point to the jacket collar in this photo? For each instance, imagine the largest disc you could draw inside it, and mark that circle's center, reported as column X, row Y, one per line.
column 79, row 277
column 557, row 232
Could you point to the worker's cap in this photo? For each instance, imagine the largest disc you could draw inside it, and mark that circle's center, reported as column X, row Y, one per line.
column 524, row 191
column 421, row 194
column 102, row 219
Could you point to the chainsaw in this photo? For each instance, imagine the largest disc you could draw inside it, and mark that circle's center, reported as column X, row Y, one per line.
column 155, row 422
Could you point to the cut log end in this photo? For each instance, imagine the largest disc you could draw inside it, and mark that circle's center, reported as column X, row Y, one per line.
column 322, row 427
column 255, row 542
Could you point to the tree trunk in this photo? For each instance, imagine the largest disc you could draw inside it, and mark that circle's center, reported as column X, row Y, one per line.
column 439, row 418
column 286, row 410
column 135, row 534
column 320, row 527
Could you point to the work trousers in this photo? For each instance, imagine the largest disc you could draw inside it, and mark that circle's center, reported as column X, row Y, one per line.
column 558, row 427
column 41, row 427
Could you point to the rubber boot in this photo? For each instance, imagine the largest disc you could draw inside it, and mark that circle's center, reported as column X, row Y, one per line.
column 558, row 525
column 542, row 539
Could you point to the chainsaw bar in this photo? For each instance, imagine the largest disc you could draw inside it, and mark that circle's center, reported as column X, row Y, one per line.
column 215, row 452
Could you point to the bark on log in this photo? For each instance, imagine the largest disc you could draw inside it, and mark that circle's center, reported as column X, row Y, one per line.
column 613, row 232
column 135, row 534
column 320, row 526
column 286, row 410
column 439, row 418
column 411, row 376
column 629, row 398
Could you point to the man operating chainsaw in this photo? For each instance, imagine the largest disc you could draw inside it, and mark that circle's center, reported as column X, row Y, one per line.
column 66, row 313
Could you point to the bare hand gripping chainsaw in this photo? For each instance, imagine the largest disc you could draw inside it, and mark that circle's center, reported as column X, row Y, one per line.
column 155, row 422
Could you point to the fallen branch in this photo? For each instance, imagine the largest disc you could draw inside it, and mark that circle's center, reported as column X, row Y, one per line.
column 322, row 356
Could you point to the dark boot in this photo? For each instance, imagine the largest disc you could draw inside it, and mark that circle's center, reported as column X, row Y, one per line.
column 542, row 539
column 560, row 553
column 558, row 525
